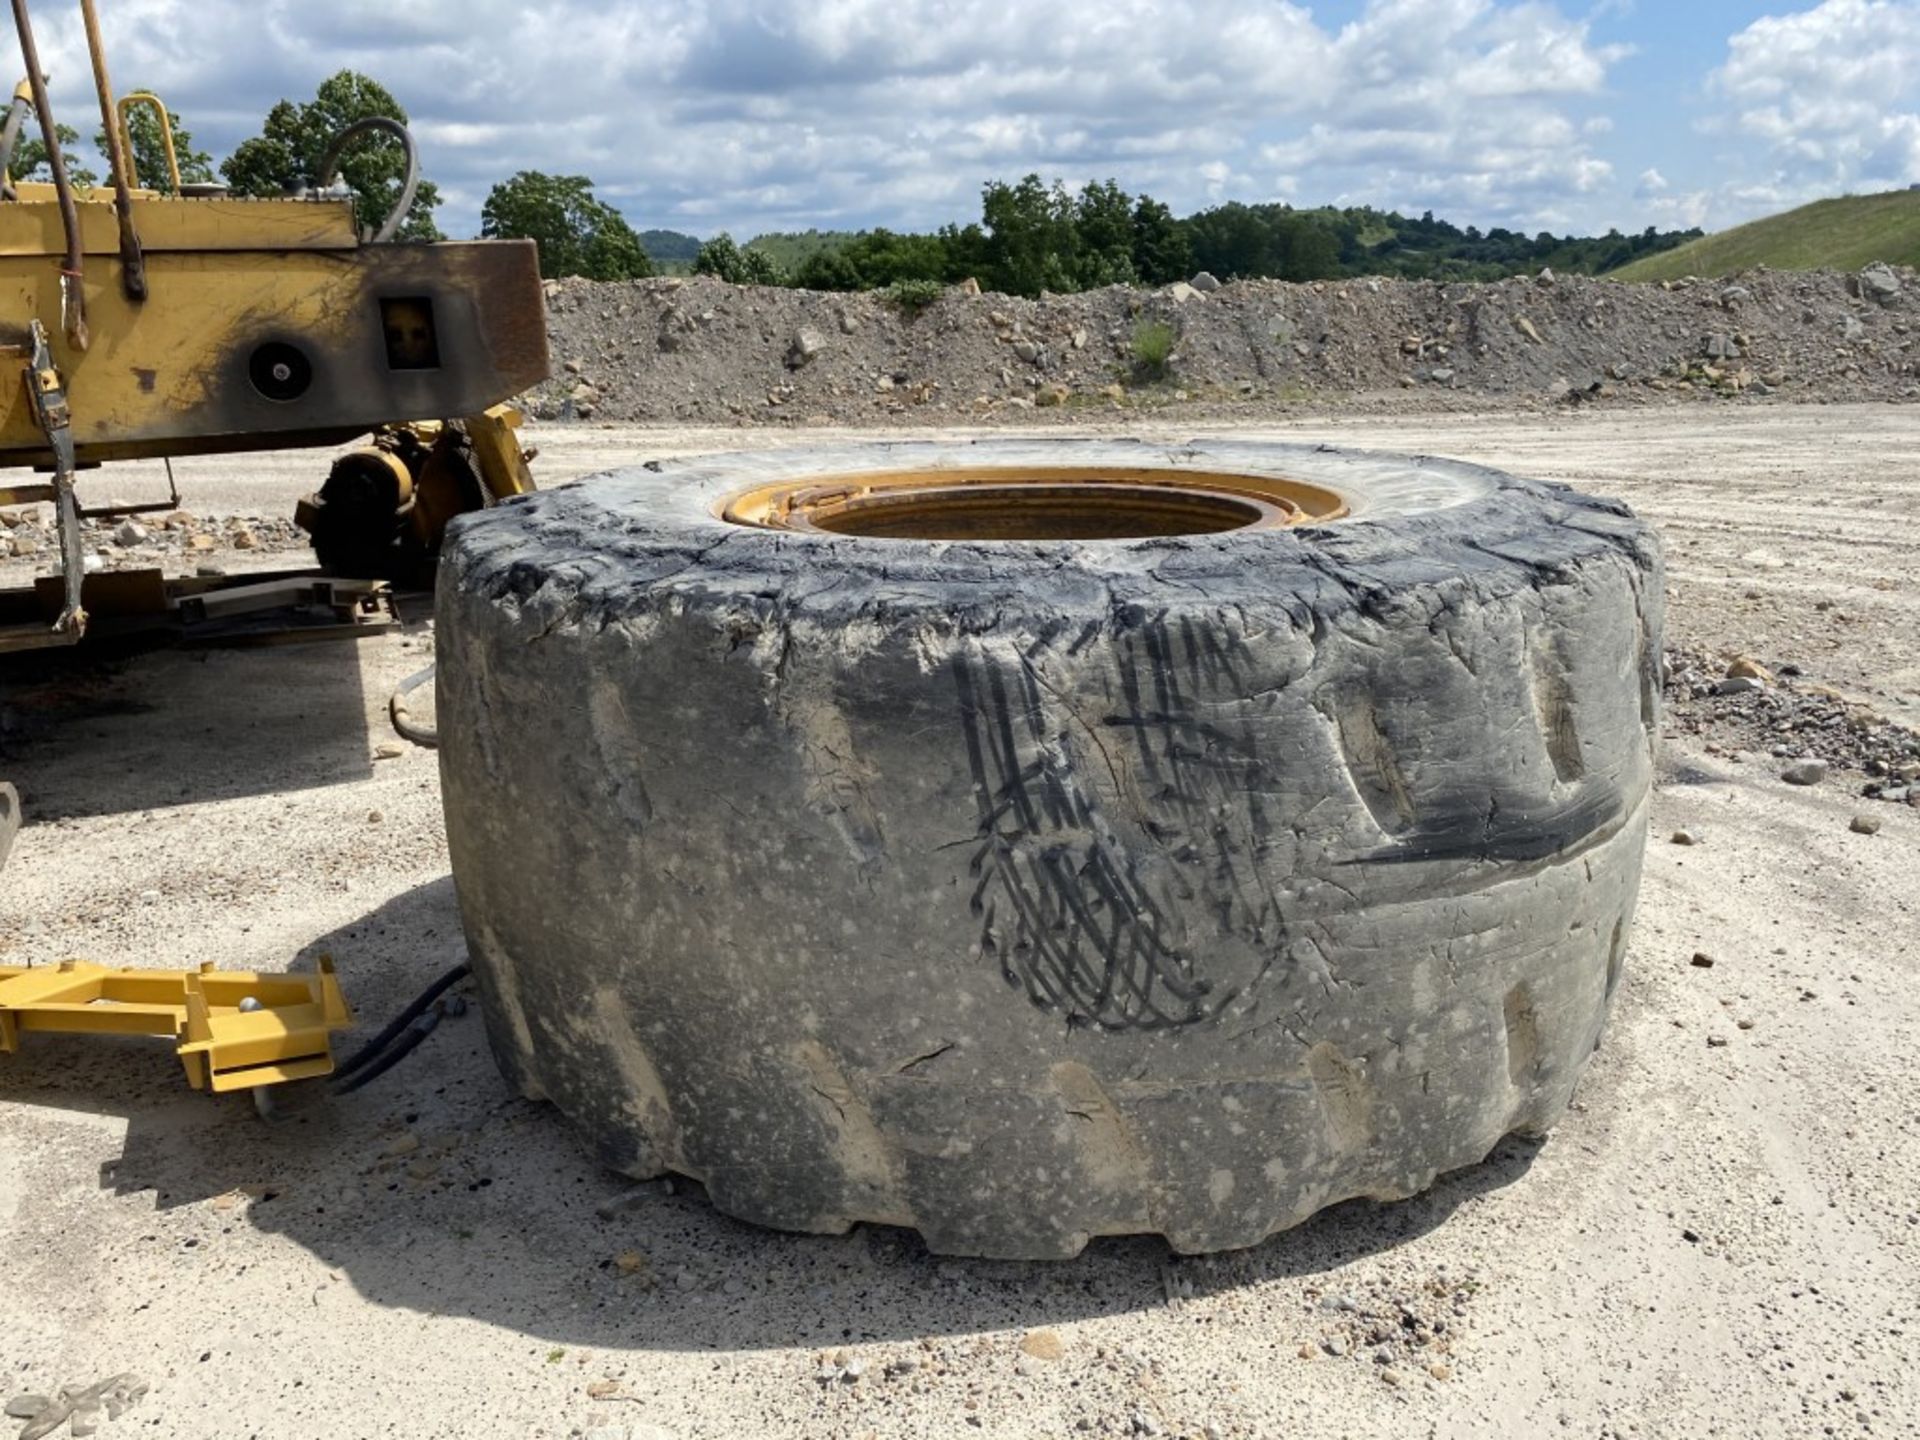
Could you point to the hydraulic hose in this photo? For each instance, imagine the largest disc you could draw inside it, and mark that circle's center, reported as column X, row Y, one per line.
column 401, row 717
column 330, row 168
column 422, row 1027
column 370, row 1054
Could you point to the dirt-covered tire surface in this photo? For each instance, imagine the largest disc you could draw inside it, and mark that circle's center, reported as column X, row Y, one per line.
column 1026, row 892
column 9, row 818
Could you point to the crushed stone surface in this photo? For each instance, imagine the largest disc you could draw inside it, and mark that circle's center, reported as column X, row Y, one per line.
column 1717, row 1241
column 1748, row 715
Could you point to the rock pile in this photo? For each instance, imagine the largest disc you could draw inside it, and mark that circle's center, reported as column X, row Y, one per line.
column 704, row 351
column 174, row 540
column 1807, row 733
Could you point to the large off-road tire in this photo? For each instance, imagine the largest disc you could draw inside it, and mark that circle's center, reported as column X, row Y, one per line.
column 1026, row 891
column 9, row 819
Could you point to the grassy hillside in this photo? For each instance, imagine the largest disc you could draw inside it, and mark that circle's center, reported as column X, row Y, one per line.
column 791, row 249
column 669, row 246
column 1839, row 234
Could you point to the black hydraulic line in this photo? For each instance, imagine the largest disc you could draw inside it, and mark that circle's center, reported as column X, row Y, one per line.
column 420, row 1029
column 406, row 1017
column 330, row 169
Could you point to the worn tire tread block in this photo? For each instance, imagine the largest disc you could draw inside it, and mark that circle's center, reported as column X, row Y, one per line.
column 1029, row 892
column 9, row 818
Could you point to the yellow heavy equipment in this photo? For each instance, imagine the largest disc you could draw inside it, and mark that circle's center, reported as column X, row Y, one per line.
column 141, row 322
column 144, row 324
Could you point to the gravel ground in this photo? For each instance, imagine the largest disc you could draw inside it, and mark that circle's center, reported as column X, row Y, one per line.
column 1719, row 1240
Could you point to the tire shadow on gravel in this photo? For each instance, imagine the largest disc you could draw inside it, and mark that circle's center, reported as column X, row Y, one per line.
column 435, row 1189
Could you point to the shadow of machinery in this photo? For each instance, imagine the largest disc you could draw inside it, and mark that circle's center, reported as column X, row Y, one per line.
column 436, row 1189
column 141, row 723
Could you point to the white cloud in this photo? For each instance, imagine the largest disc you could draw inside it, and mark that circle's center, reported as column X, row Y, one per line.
column 1687, row 211
column 1831, row 95
column 755, row 114
column 1652, row 182
column 1459, row 106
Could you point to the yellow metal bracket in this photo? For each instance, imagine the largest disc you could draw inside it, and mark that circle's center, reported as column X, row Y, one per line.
column 505, row 469
column 235, row 1029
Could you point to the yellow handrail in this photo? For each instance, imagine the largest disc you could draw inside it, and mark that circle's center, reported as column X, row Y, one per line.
column 147, row 97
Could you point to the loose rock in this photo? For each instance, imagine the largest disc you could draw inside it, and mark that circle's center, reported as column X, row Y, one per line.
column 806, row 343
column 1879, row 284
column 1042, row 1345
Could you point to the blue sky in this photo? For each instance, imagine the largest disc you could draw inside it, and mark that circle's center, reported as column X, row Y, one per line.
column 748, row 115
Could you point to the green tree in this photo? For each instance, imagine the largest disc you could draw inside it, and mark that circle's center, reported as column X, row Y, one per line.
column 577, row 233
column 150, row 151
column 294, row 139
column 1103, row 230
column 30, row 157
column 614, row 252
column 1162, row 253
column 1032, row 243
column 723, row 259
column 827, row 270
column 965, row 250
column 1233, row 241
column 882, row 257
column 1309, row 251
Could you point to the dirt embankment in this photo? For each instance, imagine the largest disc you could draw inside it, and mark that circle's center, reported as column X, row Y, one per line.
column 701, row 350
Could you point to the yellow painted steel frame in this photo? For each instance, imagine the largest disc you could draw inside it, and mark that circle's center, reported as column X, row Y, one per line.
column 283, row 1034
column 503, row 465
column 361, row 335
